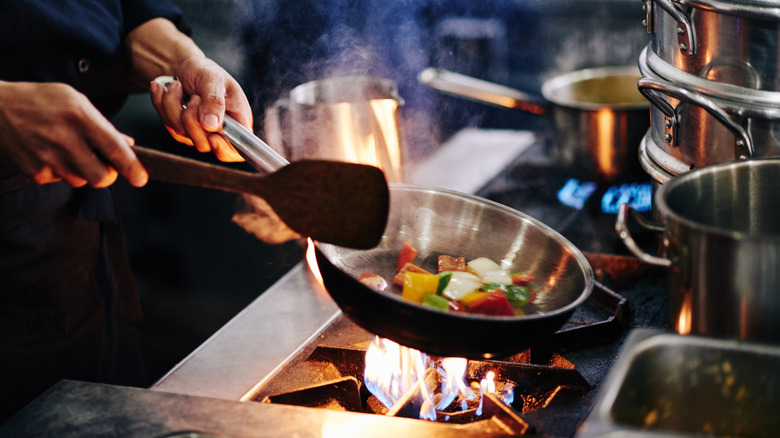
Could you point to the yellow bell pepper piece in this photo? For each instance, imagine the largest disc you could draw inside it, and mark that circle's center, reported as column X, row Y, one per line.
column 417, row 284
column 473, row 296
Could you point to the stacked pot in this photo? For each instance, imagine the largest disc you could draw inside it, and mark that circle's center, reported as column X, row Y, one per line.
column 712, row 74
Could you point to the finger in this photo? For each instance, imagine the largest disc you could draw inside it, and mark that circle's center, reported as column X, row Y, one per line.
column 75, row 180
column 212, row 105
column 171, row 103
column 110, row 154
column 122, row 161
column 178, row 137
column 45, row 176
column 193, row 127
column 237, row 105
column 223, row 150
column 156, row 91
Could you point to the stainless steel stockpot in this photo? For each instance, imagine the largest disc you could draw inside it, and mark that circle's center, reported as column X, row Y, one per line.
column 720, row 234
column 725, row 41
column 697, row 122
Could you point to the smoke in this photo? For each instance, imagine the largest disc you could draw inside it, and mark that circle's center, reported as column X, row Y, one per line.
column 288, row 43
column 294, row 42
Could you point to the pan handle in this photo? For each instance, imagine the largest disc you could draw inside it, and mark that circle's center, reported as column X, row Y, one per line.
column 652, row 89
column 621, row 227
column 482, row 91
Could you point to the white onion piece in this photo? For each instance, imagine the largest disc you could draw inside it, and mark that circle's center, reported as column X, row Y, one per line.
column 461, row 284
column 500, row 276
column 482, row 265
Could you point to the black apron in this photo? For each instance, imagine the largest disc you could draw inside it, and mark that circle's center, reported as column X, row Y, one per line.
column 68, row 307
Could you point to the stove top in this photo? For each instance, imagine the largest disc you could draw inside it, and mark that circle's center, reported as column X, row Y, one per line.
column 266, row 370
column 565, row 370
column 582, row 211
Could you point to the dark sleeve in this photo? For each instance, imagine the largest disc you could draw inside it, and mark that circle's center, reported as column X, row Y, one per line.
column 138, row 12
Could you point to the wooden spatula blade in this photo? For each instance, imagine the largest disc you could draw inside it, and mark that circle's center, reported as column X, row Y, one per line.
column 335, row 202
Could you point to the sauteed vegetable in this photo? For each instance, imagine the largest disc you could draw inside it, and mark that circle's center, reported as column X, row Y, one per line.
column 478, row 286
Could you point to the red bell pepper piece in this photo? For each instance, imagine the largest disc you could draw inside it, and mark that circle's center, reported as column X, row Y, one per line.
column 522, row 278
column 493, row 303
column 405, row 255
column 456, row 307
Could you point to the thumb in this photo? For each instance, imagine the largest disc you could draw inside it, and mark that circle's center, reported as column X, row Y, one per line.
column 212, row 109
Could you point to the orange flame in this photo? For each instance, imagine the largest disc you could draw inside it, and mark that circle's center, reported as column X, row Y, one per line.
column 311, row 260
column 393, row 370
column 685, row 315
column 378, row 145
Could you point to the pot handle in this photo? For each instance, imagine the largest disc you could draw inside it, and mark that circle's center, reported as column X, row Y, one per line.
column 651, row 88
column 686, row 37
column 621, row 227
column 481, row 91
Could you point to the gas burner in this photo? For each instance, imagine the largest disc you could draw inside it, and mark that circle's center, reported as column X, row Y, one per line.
column 334, row 376
column 547, row 389
column 582, row 211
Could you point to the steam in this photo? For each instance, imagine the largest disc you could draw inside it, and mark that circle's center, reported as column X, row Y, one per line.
column 520, row 44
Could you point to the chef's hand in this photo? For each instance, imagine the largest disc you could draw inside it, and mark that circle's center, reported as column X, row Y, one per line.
column 210, row 92
column 51, row 132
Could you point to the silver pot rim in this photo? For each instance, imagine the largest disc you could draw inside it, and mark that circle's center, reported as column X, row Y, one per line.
column 767, row 9
column 667, row 213
column 551, row 86
column 657, row 172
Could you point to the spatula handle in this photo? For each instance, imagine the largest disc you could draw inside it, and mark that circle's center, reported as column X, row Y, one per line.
column 166, row 167
column 255, row 151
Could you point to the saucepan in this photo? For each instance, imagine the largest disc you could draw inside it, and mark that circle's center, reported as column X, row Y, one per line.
column 597, row 115
column 442, row 222
column 720, row 228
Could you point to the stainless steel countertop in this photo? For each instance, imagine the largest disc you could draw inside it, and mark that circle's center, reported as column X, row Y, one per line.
column 259, row 340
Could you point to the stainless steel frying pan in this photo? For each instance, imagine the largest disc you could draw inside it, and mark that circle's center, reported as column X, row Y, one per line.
column 438, row 222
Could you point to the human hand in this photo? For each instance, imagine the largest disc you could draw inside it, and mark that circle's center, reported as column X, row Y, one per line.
column 51, row 132
column 212, row 92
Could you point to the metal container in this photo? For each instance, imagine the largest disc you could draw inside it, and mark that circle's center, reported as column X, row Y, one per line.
column 721, row 242
column 723, row 41
column 696, row 122
column 597, row 116
column 665, row 385
column 350, row 118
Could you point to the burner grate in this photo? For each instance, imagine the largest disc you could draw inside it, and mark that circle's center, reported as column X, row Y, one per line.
column 536, row 388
